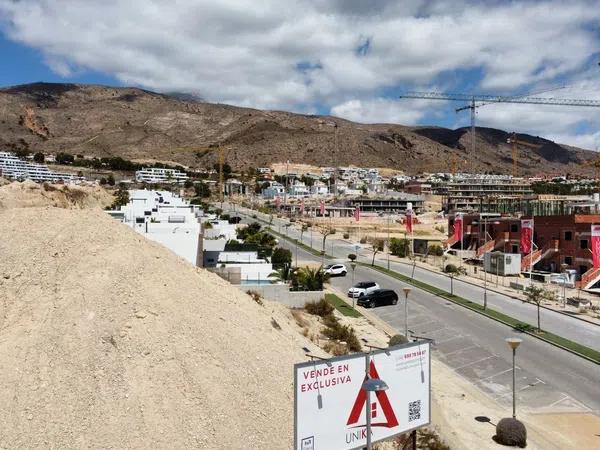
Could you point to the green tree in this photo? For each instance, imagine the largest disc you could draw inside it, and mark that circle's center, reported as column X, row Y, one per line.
column 352, row 257
column 111, row 180
column 202, row 190
column 377, row 246
column 188, row 184
column 64, row 158
column 399, row 247
column 281, row 257
column 535, row 294
column 312, row 279
column 39, row 157
column 103, row 181
column 121, row 198
column 283, row 274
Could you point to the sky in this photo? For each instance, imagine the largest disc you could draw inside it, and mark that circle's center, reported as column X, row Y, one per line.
column 348, row 58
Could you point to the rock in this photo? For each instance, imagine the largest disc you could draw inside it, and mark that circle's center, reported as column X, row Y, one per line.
column 140, row 314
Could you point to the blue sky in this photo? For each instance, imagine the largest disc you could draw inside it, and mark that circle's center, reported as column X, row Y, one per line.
column 343, row 57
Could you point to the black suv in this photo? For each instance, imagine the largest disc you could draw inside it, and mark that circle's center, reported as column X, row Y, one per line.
column 378, row 297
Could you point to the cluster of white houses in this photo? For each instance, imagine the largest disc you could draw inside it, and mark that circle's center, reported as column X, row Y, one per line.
column 13, row 167
column 200, row 238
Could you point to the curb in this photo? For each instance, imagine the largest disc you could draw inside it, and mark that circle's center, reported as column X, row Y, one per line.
column 504, row 294
column 541, row 338
column 468, row 307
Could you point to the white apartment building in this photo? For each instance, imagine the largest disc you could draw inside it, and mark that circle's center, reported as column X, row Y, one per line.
column 13, row 167
column 319, row 188
column 160, row 175
column 275, row 189
column 164, row 217
column 299, row 189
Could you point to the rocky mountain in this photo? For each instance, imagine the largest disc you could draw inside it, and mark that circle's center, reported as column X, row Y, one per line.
column 141, row 125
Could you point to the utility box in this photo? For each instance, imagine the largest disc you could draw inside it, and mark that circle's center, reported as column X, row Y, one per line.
column 502, row 263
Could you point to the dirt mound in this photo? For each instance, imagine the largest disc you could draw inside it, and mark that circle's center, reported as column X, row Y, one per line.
column 29, row 194
column 108, row 340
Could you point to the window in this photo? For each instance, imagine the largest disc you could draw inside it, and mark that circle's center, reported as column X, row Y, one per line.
column 515, row 248
column 583, row 243
column 568, row 260
column 568, row 235
column 582, row 270
column 514, row 227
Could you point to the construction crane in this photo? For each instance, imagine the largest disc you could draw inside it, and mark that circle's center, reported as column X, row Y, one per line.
column 472, row 99
column 515, row 152
column 472, row 107
column 222, row 157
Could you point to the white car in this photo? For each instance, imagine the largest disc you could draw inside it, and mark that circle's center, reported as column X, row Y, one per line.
column 362, row 288
column 336, row 270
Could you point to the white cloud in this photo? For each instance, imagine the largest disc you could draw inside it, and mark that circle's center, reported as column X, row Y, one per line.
column 303, row 54
column 379, row 110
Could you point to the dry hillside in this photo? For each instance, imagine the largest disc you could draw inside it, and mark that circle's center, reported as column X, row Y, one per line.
column 146, row 126
column 108, row 340
column 29, row 194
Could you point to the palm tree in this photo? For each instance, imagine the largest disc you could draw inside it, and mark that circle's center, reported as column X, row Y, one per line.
column 284, row 274
column 312, row 279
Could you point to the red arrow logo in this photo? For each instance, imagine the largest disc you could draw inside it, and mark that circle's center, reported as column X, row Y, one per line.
column 386, row 406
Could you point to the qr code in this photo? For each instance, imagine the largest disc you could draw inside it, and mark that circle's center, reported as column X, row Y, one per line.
column 414, row 410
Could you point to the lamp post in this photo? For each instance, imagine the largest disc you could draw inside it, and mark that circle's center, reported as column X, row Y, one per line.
column 371, row 385
column 406, row 292
column 388, row 242
column 513, row 343
column 353, row 265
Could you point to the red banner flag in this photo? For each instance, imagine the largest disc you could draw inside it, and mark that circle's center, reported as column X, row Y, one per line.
column 302, row 207
column 322, row 208
column 357, row 214
column 596, row 245
column 409, row 220
column 526, row 236
column 458, row 227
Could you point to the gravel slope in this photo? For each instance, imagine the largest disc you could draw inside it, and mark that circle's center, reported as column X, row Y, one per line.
column 108, row 340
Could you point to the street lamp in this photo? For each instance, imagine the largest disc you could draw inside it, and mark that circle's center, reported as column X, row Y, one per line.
column 406, row 292
column 513, row 343
column 371, row 385
column 353, row 265
column 388, row 241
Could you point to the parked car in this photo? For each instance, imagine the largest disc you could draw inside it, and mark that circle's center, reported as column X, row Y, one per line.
column 378, row 297
column 362, row 288
column 336, row 270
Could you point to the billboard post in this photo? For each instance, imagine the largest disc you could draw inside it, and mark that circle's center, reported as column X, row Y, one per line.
column 334, row 406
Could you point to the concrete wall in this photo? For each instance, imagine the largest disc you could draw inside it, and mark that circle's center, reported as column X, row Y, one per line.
column 281, row 293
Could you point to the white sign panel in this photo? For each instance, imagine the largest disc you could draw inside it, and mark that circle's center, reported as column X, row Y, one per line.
column 330, row 404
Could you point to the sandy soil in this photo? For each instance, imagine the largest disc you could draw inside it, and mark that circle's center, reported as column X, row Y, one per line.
column 108, row 340
column 29, row 194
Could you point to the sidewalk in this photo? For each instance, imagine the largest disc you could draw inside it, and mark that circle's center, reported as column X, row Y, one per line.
column 503, row 288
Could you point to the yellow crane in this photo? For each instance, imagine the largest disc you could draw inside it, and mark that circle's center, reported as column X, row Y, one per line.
column 222, row 157
column 514, row 141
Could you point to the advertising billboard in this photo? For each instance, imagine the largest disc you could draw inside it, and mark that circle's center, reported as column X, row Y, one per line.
column 330, row 404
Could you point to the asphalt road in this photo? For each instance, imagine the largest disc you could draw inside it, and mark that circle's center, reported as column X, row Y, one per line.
column 560, row 324
column 548, row 378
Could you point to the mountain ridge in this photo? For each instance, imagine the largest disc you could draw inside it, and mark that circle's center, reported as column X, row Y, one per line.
column 143, row 125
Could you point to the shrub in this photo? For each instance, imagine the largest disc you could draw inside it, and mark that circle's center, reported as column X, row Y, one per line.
column 111, row 180
column 281, row 257
column 397, row 339
column 511, row 432
column 256, row 297
column 321, row 308
column 436, row 250
column 225, row 217
column 340, row 332
column 450, row 268
column 363, row 240
column 399, row 247
column 39, row 158
column 346, row 235
column 188, row 184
